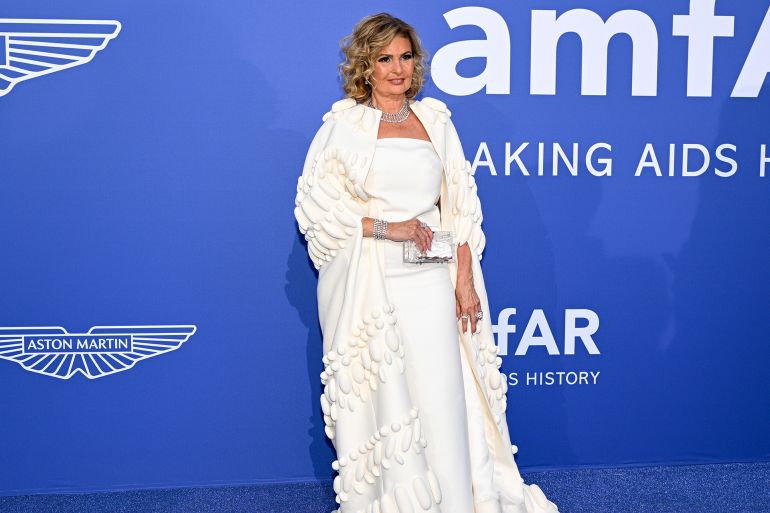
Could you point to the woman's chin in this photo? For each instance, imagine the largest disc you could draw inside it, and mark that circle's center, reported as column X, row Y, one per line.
column 396, row 90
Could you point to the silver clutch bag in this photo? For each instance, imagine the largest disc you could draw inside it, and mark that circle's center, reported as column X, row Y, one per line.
column 441, row 250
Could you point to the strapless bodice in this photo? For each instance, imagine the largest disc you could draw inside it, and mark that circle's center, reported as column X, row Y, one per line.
column 405, row 180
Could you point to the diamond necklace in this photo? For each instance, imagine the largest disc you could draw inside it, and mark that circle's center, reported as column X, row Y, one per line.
column 396, row 117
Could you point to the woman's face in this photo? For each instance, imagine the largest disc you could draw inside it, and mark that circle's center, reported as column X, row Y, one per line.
column 393, row 68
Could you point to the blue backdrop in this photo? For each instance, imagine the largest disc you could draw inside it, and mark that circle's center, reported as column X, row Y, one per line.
column 154, row 185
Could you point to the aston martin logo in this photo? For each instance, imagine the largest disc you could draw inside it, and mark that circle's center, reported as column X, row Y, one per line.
column 104, row 350
column 32, row 48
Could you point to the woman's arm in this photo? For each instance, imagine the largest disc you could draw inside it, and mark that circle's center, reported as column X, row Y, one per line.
column 468, row 302
column 464, row 271
column 368, row 226
column 412, row 229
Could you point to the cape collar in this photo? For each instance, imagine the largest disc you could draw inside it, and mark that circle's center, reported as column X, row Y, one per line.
column 430, row 121
column 358, row 126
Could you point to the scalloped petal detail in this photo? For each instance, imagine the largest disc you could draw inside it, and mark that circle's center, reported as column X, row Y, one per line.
column 343, row 104
column 435, row 104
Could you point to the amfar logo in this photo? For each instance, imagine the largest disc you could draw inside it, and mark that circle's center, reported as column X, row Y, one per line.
column 104, row 350
column 31, row 48
column 538, row 320
column 701, row 27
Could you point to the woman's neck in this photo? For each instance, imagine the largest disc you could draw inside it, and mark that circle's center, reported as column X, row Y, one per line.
column 391, row 104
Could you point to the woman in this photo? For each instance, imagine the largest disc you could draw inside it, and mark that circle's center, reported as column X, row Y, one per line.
column 413, row 400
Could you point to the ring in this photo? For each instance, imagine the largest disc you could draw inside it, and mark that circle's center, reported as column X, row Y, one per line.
column 479, row 315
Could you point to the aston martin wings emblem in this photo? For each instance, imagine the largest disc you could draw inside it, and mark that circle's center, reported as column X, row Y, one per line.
column 104, row 350
column 31, row 48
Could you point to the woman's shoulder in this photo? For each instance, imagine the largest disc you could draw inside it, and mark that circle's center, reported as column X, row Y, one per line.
column 436, row 113
column 340, row 106
column 436, row 104
column 341, row 113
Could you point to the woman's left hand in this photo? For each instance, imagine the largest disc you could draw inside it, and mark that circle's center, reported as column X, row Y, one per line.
column 468, row 303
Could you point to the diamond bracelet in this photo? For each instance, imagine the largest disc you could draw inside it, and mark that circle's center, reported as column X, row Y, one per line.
column 380, row 229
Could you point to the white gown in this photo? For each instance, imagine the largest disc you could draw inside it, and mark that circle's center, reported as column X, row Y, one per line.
column 403, row 183
column 415, row 410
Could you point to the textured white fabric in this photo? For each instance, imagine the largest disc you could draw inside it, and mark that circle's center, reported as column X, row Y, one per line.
column 376, row 410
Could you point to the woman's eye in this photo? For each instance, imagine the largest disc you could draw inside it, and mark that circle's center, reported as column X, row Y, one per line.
column 407, row 56
column 384, row 59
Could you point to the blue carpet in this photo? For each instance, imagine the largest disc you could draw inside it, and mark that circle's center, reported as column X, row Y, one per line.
column 723, row 488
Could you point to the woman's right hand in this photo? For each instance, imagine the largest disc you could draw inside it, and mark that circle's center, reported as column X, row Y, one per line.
column 413, row 229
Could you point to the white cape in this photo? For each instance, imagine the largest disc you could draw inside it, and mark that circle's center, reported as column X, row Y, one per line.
column 363, row 352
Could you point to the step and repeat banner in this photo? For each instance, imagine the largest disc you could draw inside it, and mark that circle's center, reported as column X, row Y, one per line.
column 158, row 322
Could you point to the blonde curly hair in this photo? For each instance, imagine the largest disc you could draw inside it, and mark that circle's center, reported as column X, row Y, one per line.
column 369, row 37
